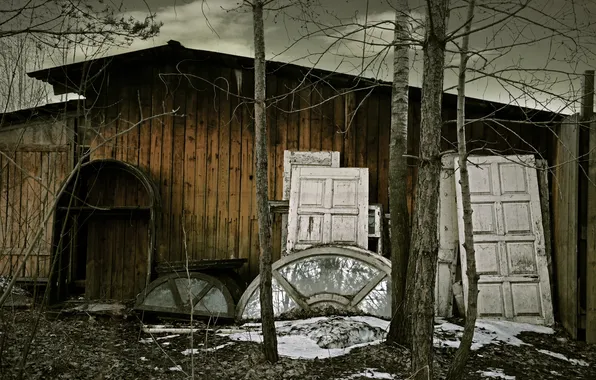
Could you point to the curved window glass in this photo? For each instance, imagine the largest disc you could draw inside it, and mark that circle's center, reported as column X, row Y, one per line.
column 343, row 278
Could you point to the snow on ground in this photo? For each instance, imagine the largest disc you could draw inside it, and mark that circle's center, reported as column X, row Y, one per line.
column 321, row 337
column 496, row 373
column 371, row 374
column 324, row 337
column 487, row 332
column 563, row 357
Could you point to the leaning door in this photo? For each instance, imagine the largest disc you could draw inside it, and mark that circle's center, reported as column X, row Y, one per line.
column 508, row 239
column 328, row 206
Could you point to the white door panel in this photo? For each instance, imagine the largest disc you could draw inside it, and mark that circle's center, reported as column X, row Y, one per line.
column 328, row 205
column 508, row 239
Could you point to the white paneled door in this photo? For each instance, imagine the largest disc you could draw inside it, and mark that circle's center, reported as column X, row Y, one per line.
column 508, row 239
column 328, row 206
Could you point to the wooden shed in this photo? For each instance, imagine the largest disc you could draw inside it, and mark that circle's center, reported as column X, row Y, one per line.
column 182, row 118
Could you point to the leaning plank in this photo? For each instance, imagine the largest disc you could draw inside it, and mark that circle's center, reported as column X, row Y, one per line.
column 565, row 218
column 542, row 167
column 591, row 243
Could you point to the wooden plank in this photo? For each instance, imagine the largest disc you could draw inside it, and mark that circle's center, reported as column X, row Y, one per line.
column 145, row 127
column 328, row 119
column 246, row 177
column 591, row 241
column 235, row 167
column 111, row 128
column 293, row 129
column 372, row 145
column 349, row 151
column 141, row 269
column 17, row 204
column 124, row 125
column 167, row 171
column 3, row 203
column 155, row 160
column 338, row 123
column 178, row 155
column 383, row 163
column 201, row 174
column 360, row 129
column 271, row 135
column 33, row 166
column 316, row 118
column 565, row 221
column 305, row 115
column 190, row 170
column 212, row 171
column 33, row 147
column 542, row 168
column 223, row 176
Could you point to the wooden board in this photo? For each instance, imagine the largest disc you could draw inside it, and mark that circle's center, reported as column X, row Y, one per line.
column 565, row 221
column 292, row 159
column 328, row 205
column 448, row 239
column 591, row 242
column 508, row 239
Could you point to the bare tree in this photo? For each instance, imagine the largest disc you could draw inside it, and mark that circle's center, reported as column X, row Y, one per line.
column 398, row 173
column 424, row 244
column 456, row 369
column 265, row 243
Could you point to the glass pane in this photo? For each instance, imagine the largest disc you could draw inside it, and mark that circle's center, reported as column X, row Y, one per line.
column 160, row 296
column 195, row 285
column 282, row 303
column 328, row 274
column 378, row 301
column 214, row 302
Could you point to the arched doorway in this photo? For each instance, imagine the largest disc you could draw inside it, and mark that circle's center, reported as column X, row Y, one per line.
column 104, row 232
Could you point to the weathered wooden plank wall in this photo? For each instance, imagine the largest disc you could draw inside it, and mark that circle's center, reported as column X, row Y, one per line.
column 202, row 159
column 565, row 222
column 34, row 161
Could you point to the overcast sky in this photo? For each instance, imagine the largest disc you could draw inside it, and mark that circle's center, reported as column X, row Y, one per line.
column 217, row 25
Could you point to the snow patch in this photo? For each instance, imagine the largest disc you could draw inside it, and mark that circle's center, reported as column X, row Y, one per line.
column 371, row 374
column 320, row 337
column 487, row 332
column 496, row 373
column 565, row 358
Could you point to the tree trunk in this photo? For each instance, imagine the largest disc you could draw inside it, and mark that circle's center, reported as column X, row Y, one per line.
column 265, row 294
column 456, row 370
column 398, row 176
column 424, row 243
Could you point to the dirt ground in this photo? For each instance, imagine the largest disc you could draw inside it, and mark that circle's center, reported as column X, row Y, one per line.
column 84, row 346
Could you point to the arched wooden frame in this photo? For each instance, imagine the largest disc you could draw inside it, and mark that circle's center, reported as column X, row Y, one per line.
column 376, row 261
column 148, row 185
column 226, row 287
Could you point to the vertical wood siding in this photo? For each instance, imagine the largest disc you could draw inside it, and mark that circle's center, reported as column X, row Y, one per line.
column 34, row 162
column 202, row 158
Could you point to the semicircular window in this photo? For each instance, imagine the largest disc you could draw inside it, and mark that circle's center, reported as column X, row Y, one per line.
column 316, row 278
column 210, row 296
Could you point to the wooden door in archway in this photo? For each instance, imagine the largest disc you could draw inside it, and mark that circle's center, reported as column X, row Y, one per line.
column 117, row 235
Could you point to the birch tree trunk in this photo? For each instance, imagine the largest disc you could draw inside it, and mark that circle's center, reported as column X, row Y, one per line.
column 424, row 243
column 456, row 370
column 265, row 245
column 398, row 173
